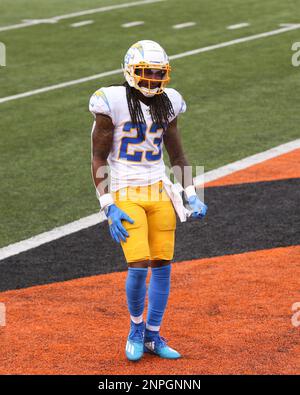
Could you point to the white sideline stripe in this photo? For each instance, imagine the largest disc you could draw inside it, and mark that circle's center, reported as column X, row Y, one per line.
column 83, row 23
column 178, row 56
column 131, row 24
column 247, row 162
column 94, row 219
column 55, row 19
column 47, row 237
column 238, row 26
column 183, row 25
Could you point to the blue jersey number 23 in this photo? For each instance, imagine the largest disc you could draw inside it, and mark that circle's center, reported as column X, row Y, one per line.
column 137, row 156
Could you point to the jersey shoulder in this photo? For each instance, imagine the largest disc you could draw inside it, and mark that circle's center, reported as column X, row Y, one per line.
column 179, row 104
column 105, row 99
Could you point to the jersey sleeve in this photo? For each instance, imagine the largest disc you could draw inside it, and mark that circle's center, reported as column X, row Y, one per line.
column 99, row 103
column 182, row 107
column 178, row 103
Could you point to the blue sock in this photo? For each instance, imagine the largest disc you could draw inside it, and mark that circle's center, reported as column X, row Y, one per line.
column 158, row 294
column 136, row 292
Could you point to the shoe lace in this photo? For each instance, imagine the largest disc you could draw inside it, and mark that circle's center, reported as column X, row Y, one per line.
column 137, row 333
column 160, row 341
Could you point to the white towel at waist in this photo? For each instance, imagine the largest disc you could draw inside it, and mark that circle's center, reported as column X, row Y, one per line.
column 174, row 193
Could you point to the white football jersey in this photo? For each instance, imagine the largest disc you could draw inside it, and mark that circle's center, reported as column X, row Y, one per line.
column 136, row 157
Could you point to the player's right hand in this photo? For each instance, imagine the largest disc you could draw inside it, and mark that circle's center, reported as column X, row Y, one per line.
column 116, row 228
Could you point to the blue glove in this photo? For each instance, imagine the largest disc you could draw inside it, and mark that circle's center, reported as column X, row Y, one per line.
column 115, row 217
column 199, row 208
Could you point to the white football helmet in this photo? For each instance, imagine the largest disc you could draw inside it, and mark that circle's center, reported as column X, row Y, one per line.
column 142, row 57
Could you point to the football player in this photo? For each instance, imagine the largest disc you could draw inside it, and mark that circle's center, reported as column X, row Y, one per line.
column 131, row 123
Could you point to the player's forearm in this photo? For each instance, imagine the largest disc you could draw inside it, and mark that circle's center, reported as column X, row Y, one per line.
column 102, row 139
column 100, row 174
column 182, row 170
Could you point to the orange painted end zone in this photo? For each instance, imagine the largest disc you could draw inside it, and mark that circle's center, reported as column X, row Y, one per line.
column 279, row 168
column 226, row 315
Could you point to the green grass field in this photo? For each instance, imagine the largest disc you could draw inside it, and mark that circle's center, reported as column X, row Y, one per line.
column 241, row 99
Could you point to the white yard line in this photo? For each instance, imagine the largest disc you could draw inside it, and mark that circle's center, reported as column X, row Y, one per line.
column 82, row 23
column 286, row 24
column 19, row 25
column 57, row 18
column 178, row 56
column 37, row 21
column 238, row 26
column 58, row 86
column 94, row 219
column 132, row 24
column 236, row 41
column 183, row 25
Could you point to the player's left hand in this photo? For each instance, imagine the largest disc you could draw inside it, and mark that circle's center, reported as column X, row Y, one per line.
column 198, row 207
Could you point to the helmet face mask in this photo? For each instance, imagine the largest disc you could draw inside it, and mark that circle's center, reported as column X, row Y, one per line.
column 148, row 85
column 142, row 64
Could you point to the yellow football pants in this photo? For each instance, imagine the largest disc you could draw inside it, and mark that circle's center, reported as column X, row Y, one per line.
column 153, row 233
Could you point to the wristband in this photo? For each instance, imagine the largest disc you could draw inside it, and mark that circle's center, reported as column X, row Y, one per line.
column 190, row 191
column 106, row 200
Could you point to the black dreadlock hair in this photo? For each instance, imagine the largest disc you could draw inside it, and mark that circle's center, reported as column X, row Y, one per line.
column 161, row 108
